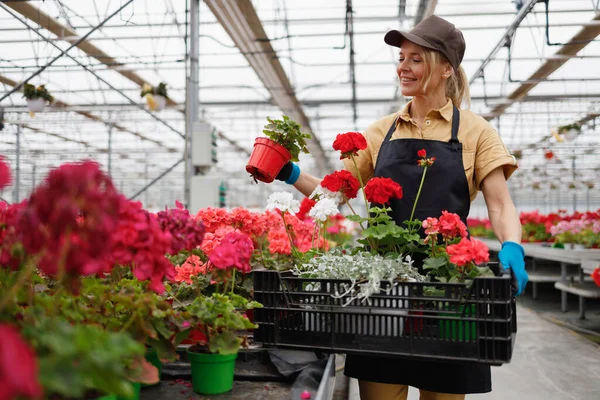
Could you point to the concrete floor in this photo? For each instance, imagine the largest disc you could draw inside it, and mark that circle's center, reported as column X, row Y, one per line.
column 549, row 363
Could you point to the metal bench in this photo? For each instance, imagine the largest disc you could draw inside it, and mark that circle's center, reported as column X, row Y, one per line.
column 584, row 289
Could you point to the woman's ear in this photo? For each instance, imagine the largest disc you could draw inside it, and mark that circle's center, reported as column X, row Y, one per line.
column 448, row 71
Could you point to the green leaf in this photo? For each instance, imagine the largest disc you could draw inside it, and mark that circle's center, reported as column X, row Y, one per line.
column 434, row 263
column 356, row 218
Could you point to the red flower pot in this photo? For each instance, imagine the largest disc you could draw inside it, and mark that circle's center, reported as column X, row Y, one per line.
column 267, row 159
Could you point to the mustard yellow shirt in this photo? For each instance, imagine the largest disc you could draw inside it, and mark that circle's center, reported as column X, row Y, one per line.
column 483, row 150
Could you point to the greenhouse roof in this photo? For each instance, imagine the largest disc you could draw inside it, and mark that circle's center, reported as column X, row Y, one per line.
column 533, row 67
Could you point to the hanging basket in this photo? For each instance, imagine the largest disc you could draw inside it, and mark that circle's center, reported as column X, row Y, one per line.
column 267, row 159
column 36, row 105
column 156, row 102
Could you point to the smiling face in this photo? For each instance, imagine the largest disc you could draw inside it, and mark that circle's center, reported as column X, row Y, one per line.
column 417, row 77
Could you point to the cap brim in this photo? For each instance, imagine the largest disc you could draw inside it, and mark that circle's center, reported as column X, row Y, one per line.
column 395, row 38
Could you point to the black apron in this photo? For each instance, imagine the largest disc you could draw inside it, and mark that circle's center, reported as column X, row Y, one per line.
column 445, row 188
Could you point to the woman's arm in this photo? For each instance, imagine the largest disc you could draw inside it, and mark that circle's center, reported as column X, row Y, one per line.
column 306, row 183
column 501, row 209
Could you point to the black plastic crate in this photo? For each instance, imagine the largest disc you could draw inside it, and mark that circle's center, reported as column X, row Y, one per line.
column 462, row 322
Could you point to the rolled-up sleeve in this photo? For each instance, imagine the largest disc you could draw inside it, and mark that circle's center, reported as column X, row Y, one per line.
column 491, row 153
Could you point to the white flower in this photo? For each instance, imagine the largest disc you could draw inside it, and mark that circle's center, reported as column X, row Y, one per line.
column 323, row 209
column 283, row 201
column 322, row 193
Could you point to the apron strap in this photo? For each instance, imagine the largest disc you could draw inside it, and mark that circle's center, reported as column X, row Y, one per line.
column 455, row 124
column 391, row 131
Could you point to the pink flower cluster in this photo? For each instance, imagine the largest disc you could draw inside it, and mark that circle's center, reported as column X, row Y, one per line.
column 50, row 223
column 234, row 251
column 193, row 266
column 187, row 232
column 449, row 225
column 468, row 251
column 139, row 241
column 5, row 177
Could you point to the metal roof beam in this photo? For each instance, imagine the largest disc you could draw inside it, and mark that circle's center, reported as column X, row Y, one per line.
column 581, row 39
column 241, row 22
column 425, row 9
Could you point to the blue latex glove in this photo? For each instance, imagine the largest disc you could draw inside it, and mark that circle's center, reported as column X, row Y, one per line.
column 512, row 256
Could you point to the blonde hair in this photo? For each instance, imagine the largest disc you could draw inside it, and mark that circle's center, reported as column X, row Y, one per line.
column 457, row 84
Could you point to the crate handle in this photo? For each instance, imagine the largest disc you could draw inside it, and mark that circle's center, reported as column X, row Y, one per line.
column 284, row 289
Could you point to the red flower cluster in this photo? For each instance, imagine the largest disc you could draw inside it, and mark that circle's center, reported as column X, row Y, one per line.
column 424, row 161
column 342, row 181
column 305, row 206
column 596, row 276
column 5, row 178
column 349, row 144
column 186, row 231
column 52, row 226
column 450, row 225
column 548, row 154
column 381, row 190
column 235, row 251
column 467, row 251
column 11, row 253
column 139, row 241
column 18, row 366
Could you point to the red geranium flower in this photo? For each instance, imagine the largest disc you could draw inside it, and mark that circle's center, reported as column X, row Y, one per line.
column 422, row 153
column 467, row 251
column 305, row 206
column 342, row 181
column 450, row 225
column 18, row 366
column 349, row 143
column 381, row 190
column 548, row 154
column 596, row 276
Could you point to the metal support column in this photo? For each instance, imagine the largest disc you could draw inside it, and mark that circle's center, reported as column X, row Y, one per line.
column 574, row 189
column 110, row 130
column 192, row 100
column 534, row 285
column 17, row 188
column 563, row 293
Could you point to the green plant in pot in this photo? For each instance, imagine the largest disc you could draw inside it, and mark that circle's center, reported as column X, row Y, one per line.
column 37, row 97
column 222, row 317
column 283, row 143
column 223, row 320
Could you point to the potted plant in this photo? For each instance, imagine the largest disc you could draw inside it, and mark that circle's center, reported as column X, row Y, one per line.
column 213, row 362
column 571, row 131
column 283, row 143
column 156, row 96
column 36, row 97
column 221, row 315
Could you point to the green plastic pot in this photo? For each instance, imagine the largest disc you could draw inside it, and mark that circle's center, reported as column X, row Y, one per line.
column 460, row 330
column 136, row 394
column 212, row 373
column 152, row 358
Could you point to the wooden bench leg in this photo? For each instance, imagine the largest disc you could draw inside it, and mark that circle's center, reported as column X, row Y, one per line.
column 581, row 307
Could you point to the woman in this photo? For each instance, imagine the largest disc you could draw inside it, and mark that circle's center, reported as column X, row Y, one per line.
column 470, row 156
